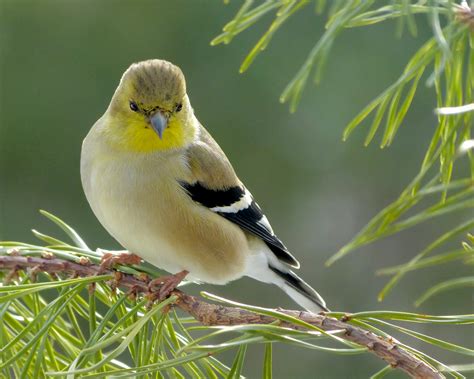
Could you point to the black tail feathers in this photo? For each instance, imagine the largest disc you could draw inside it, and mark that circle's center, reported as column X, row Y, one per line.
column 300, row 291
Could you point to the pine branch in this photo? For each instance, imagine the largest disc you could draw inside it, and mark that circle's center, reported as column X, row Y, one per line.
column 206, row 313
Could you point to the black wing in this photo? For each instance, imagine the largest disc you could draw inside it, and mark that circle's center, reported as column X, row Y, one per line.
column 237, row 205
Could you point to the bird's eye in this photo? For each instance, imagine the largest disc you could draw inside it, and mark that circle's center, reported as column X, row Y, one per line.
column 179, row 107
column 133, row 106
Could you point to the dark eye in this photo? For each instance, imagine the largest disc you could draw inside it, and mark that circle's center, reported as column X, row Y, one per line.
column 133, row 106
column 179, row 107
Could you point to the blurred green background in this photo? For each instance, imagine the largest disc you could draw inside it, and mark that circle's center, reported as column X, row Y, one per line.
column 61, row 61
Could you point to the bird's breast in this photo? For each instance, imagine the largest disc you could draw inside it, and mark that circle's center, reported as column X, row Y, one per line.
column 138, row 199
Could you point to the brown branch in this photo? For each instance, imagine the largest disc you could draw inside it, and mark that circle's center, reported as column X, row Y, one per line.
column 212, row 314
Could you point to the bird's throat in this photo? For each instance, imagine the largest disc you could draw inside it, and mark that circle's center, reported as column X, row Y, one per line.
column 140, row 137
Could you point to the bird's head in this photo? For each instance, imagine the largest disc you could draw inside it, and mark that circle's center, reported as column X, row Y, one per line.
column 150, row 109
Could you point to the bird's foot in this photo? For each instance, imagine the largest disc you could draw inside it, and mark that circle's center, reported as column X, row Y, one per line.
column 165, row 285
column 111, row 259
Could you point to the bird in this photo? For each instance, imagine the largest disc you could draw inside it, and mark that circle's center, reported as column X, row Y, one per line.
column 164, row 189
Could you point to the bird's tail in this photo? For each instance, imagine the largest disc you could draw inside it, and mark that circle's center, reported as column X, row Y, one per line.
column 300, row 291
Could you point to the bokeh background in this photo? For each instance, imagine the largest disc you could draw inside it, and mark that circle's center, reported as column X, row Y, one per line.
column 61, row 61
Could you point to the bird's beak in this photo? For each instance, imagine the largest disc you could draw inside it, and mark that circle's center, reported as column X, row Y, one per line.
column 159, row 122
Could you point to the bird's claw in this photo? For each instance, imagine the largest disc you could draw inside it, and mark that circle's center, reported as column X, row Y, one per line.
column 110, row 259
column 166, row 285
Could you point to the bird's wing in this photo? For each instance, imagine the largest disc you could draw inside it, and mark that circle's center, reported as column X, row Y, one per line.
column 215, row 186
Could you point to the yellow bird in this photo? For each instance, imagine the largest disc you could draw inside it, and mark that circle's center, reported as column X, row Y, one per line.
column 164, row 189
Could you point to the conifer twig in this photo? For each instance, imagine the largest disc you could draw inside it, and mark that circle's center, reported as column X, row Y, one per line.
column 213, row 314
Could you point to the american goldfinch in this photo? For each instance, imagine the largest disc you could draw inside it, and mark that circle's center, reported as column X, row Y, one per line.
column 164, row 189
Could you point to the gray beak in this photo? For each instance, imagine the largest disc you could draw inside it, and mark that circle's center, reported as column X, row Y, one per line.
column 159, row 123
